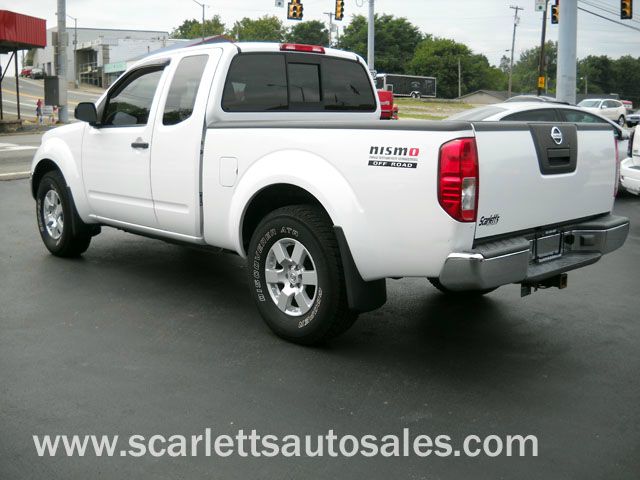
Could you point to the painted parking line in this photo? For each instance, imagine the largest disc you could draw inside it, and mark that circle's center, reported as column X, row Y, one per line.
column 14, row 175
column 12, row 147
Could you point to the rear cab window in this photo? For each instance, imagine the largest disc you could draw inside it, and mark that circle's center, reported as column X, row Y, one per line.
column 537, row 115
column 294, row 82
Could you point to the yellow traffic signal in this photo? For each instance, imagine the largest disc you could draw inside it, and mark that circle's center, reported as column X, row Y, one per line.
column 555, row 14
column 339, row 14
column 294, row 10
column 626, row 9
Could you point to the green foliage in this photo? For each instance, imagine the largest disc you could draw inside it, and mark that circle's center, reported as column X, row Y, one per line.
column 525, row 70
column 605, row 75
column 313, row 32
column 401, row 48
column 396, row 40
column 264, row 29
column 438, row 57
column 193, row 28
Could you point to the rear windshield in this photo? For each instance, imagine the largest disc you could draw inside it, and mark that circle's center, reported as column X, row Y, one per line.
column 589, row 103
column 263, row 82
column 477, row 114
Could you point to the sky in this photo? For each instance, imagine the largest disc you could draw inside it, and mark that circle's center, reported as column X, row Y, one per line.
column 485, row 25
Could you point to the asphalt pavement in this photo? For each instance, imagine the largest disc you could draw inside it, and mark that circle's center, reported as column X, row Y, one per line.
column 31, row 90
column 16, row 153
column 139, row 336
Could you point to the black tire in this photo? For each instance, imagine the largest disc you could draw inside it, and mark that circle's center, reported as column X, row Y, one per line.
column 621, row 121
column 328, row 315
column 466, row 293
column 71, row 241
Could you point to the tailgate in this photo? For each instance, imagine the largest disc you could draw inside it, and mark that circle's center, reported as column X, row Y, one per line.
column 541, row 174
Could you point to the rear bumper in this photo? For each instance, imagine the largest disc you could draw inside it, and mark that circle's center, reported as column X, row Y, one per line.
column 510, row 261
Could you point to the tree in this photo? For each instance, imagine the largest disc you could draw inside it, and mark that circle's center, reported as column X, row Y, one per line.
column 396, row 40
column 193, row 28
column 438, row 57
column 264, row 29
column 313, row 32
column 525, row 70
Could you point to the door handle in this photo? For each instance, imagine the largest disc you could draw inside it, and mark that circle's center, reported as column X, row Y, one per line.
column 137, row 144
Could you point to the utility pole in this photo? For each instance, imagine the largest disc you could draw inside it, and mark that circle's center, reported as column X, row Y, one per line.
column 202, row 5
column 459, row 78
column 567, row 45
column 330, row 14
column 543, row 67
column 516, row 19
column 75, row 49
column 371, row 37
column 61, row 63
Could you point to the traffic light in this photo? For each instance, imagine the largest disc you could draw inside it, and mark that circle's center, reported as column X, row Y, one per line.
column 626, row 9
column 555, row 14
column 294, row 10
column 339, row 15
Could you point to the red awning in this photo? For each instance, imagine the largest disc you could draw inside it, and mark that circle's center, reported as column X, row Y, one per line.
column 21, row 32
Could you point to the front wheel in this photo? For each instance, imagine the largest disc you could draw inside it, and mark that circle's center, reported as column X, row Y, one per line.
column 622, row 121
column 296, row 276
column 454, row 293
column 56, row 217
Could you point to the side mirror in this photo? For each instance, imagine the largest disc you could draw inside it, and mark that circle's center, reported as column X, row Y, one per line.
column 86, row 112
column 603, row 107
column 623, row 135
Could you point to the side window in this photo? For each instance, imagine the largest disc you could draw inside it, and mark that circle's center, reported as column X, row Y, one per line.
column 256, row 83
column 304, row 83
column 347, row 86
column 184, row 88
column 577, row 116
column 131, row 102
column 538, row 115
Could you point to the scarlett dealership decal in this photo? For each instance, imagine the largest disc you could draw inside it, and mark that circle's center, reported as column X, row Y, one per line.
column 395, row 157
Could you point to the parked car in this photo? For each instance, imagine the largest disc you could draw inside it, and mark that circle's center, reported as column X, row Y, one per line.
column 630, row 167
column 388, row 109
column 633, row 119
column 545, row 112
column 26, row 72
column 611, row 109
column 37, row 73
column 295, row 172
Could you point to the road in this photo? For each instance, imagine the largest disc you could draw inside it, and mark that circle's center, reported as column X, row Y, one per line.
column 144, row 337
column 30, row 91
column 16, row 153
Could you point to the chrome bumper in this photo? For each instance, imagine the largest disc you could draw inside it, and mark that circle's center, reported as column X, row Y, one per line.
column 502, row 262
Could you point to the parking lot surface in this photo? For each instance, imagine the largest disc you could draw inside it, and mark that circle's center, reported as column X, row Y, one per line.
column 139, row 336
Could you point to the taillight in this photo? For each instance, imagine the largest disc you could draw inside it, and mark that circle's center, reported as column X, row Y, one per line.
column 458, row 179
column 299, row 47
column 616, row 180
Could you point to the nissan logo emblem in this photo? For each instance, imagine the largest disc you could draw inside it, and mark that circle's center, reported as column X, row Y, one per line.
column 556, row 134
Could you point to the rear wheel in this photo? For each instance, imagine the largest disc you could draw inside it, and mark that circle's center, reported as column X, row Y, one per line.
column 621, row 121
column 296, row 277
column 62, row 231
column 454, row 293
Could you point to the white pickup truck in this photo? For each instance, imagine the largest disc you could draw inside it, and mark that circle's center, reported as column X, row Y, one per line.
column 275, row 152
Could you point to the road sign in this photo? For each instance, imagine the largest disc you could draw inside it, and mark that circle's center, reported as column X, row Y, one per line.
column 541, row 82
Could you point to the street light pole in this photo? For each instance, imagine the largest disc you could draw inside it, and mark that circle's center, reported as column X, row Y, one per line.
column 75, row 48
column 513, row 45
column 330, row 15
column 202, row 5
column 371, row 37
column 61, row 64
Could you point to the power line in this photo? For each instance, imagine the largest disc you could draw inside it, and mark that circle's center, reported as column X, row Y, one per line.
column 605, row 9
column 609, row 19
